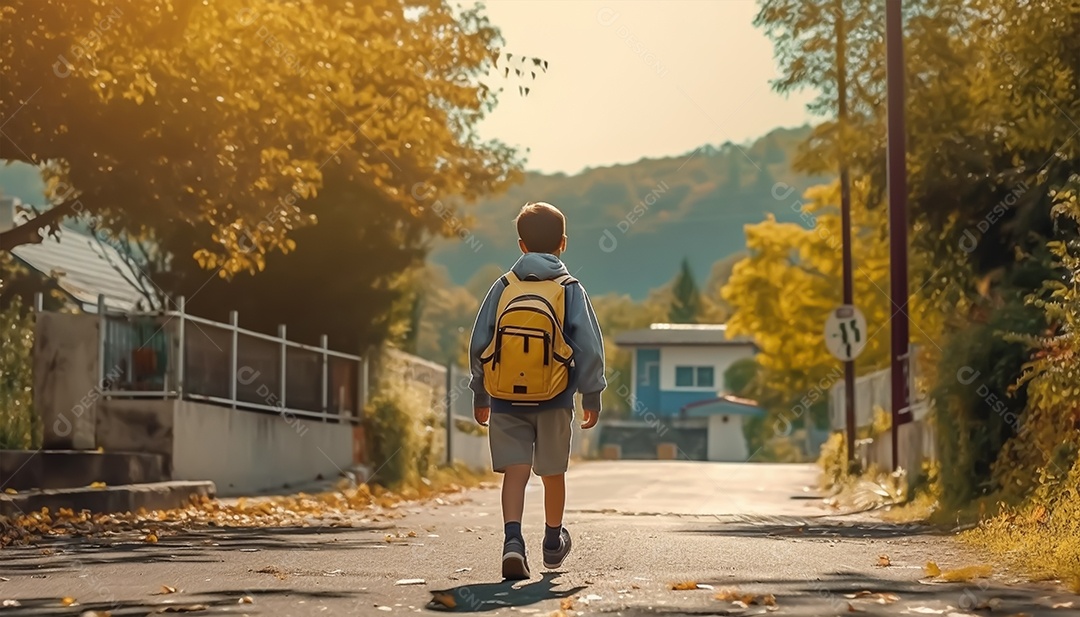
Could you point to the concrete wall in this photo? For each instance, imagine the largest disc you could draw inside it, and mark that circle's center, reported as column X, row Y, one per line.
column 138, row 425
column 245, row 452
column 66, row 392
column 472, row 450
column 726, row 439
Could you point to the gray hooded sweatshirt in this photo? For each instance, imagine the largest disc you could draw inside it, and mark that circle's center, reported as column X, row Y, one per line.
column 581, row 329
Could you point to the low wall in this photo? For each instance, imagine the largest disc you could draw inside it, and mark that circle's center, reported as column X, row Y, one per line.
column 472, row 450
column 246, row 452
column 66, row 391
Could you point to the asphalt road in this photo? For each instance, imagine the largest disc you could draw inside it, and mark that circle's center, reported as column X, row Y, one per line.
column 638, row 527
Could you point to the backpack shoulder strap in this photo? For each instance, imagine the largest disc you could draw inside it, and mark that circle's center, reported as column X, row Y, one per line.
column 566, row 280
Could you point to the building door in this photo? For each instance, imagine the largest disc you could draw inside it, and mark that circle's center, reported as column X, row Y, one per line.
column 647, row 388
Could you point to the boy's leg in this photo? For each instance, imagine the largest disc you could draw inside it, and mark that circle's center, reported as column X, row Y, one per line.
column 515, row 479
column 553, row 435
column 554, row 499
column 511, row 437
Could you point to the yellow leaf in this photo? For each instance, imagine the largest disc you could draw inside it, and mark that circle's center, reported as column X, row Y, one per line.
column 152, row 539
column 11, row 491
column 883, row 561
column 932, row 569
column 684, row 586
column 967, row 574
column 67, row 601
column 97, row 485
column 165, row 590
column 247, row 600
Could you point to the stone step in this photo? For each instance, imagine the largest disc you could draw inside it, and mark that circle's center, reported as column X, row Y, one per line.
column 55, row 469
column 108, row 500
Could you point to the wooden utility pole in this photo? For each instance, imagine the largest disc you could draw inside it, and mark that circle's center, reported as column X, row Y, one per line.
column 845, row 214
column 898, row 272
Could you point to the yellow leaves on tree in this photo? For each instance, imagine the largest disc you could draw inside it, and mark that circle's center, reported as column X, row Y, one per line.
column 229, row 116
column 782, row 293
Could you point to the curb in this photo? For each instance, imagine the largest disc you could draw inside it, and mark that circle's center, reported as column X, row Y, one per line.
column 110, row 499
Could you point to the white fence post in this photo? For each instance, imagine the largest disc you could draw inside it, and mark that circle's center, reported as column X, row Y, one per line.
column 281, row 332
column 324, row 343
column 182, row 352
column 103, row 325
column 234, row 355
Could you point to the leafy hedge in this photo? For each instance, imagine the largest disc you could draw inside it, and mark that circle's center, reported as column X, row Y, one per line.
column 20, row 427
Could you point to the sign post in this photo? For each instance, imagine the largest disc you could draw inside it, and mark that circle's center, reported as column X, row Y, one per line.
column 845, row 338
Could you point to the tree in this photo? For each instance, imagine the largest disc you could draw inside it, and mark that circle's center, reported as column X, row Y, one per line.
column 686, row 305
column 232, row 120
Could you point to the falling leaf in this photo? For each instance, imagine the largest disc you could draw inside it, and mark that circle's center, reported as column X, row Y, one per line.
column 445, row 600
column 932, row 569
column 165, row 590
column 97, row 485
column 411, row 581
column 883, row 561
column 67, row 601
column 246, row 600
column 967, row 574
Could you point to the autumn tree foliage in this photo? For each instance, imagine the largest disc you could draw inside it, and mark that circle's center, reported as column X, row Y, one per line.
column 232, row 117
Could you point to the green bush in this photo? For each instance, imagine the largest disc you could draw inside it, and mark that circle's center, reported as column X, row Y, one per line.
column 402, row 430
column 20, row 428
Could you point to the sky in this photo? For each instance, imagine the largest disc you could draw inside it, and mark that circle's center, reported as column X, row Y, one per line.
column 634, row 79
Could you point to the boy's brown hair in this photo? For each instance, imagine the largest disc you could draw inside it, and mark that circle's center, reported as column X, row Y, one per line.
column 541, row 226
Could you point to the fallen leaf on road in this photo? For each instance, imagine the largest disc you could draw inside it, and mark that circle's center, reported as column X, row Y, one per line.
column 276, row 571
column 411, row 581
column 883, row 561
column 384, row 608
column 11, row 491
column 165, row 589
column 635, row 586
column 68, row 602
column 566, row 604
column 96, row 614
column 852, row 609
column 880, row 598
column 460, row 570
column 444, row 600
column 967, row 574
column 989, row 605
column 925, row 610
column 1062, row 605
column 411, row 534
column 932, row 569
column 704, row 586
column 10, row 603
column 246, row 600
column 182, row 608
column 97, row 485
column 683, row 586
column 151, row 539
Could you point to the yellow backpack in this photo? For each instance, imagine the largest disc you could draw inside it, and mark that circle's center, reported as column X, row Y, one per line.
column 528, row 359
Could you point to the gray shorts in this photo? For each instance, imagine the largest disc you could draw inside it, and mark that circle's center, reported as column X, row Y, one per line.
column 537, row 438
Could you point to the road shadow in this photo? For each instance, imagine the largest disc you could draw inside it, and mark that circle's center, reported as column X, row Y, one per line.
column 826, row 528
column 221, row 602
column 484, row 597
column 188, row 546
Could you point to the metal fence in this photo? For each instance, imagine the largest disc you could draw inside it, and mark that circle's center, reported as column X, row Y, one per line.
column 173, row 354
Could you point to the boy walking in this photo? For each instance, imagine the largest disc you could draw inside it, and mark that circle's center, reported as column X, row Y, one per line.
column 536, row 342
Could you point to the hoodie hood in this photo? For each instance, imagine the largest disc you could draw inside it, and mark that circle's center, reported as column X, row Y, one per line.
column 543, row 266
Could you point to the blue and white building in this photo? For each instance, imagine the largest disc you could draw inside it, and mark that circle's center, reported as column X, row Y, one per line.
column 678, row 379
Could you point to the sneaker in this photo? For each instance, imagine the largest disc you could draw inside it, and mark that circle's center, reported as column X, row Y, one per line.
column 514, row 565
column 554, row 558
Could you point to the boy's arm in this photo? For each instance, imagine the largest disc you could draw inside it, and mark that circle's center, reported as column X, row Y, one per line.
column 588, row 345
column 482, row 333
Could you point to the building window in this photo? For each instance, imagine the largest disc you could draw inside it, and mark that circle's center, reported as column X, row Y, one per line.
column 684, row 376
column 695, row 377
column 705, row 377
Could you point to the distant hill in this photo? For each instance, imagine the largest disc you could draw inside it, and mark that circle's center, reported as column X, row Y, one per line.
column 629, row 226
